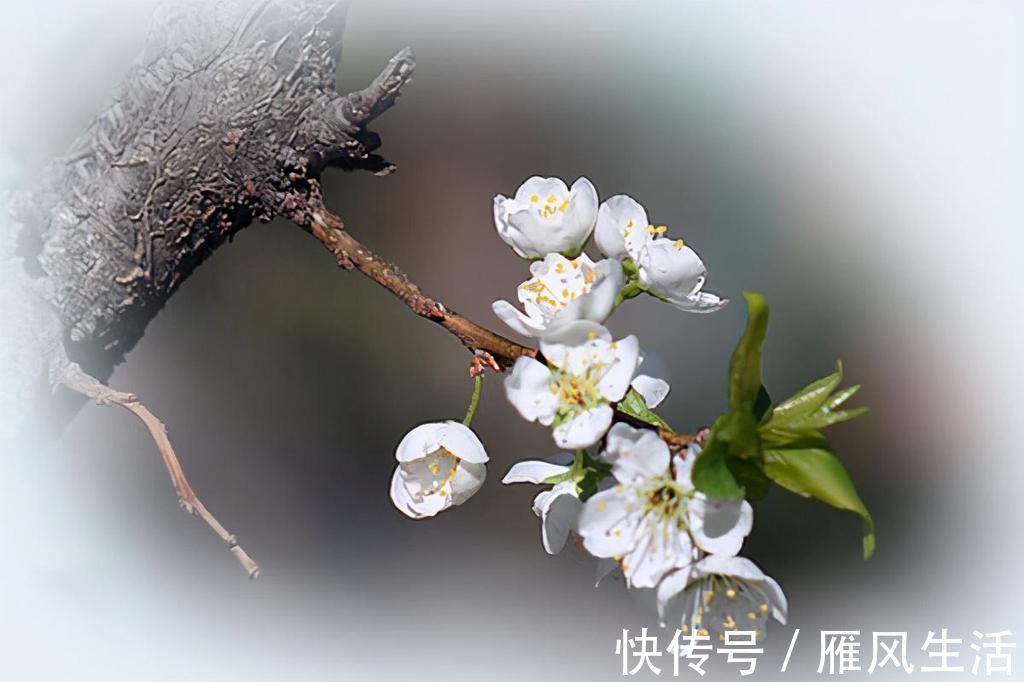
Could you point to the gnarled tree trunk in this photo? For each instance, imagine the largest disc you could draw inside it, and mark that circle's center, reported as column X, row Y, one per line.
column 229, row 115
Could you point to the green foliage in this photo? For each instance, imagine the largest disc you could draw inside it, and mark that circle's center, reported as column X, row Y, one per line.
column 635, row 406
column 754, row 443
column 711, row 473
column 817, row 472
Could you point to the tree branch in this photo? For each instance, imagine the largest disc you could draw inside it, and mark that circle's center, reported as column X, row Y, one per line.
column 72, row 376
column 351, row 254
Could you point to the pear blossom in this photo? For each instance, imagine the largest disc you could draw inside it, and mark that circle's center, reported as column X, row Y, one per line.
column 721, row 593
column 546, row 217
column 666, row 267
column 675, row 273
column 640, row 522
column 440, row 464
column 561, row 291
column 558, row 508
column 586, row 373
column 621, row 229
column 653, row 521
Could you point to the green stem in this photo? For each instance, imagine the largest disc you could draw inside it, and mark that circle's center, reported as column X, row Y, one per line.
column 478, row 384
column 632, row 289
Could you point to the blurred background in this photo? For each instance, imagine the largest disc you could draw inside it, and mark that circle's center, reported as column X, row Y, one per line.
column 859, row 164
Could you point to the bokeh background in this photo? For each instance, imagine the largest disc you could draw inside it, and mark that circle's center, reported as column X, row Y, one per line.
column 859, row 164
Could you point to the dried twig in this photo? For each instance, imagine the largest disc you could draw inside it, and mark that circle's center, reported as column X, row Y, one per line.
column 72, row 376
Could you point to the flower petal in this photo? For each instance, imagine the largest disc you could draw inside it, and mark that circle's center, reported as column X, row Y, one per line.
column 533, row 471
column 528, row 388
column 469, row 478
column 659, row 551
column 701, row 302
column 780, row 607
column 559, row 509
column 735, row 566
column 671, row 269
column 651, row 389
column 516, row 320
column 635, row 454
column 420, row 441
column 508, row 233
column 423, row 507
column 615, row 381
column 671, row 585
column 460, row 440
column 584, row 429
column 542, row 187
column 557, row 344
column 608, row 523
column 719, row 525
column 621, row 227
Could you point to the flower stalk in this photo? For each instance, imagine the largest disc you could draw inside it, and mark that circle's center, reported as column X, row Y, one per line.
column 478, row 384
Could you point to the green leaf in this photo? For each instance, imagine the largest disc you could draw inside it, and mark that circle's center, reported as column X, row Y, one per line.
column 738, row 432
column 810, row 410
column 635, row 406
column 710, row 473
column 749, row 476
column 763, row 404
column 816, row 472
column 745, row 368
column 809, row 398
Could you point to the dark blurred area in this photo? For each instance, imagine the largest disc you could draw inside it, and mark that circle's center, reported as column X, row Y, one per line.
column 287, row 382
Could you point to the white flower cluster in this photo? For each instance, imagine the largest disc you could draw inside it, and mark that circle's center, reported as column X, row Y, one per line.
column 550, row 222
column 619, row 489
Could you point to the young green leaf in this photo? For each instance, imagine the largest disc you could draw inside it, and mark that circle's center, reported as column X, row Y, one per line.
column 745, row 368
column 810, row 410
column 711, row 474
column 749, row 476
column 816, row 472
column 635, row 406
column 810, row 398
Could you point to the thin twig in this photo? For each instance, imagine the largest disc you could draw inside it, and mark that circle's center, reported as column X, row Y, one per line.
column 78, row 380
column 350, row 253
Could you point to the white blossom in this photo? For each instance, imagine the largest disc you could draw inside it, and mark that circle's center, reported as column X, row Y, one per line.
column 586, row 373
column 641, row 521
column 673, row 271
column 562, row 291
column 546, row 217
column 440, row 464
column 621, row 228
column 653, row 521
column 557, row 508
column 721, row 593
column 666, row 267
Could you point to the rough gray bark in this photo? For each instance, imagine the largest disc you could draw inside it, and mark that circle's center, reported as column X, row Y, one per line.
column 229, row 116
